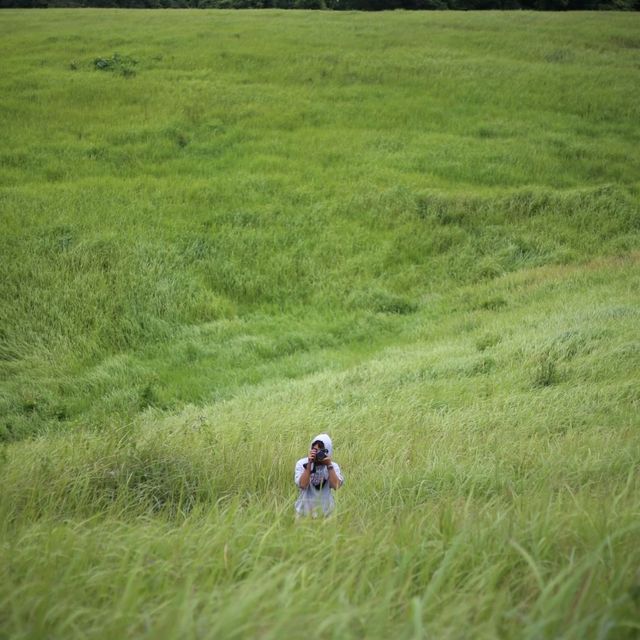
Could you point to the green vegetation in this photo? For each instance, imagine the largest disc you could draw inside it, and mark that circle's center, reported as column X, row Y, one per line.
column 226, row 232
column 338, row 5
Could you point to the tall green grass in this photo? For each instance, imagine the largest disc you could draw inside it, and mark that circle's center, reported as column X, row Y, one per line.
column 481, row 498
column 226, row 232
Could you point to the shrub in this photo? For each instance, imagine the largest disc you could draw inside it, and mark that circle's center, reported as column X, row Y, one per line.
column 121, row 65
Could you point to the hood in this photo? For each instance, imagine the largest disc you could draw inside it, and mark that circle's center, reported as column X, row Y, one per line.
column 327, row 442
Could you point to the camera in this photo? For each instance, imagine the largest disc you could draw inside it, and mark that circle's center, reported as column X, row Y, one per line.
column 321, row 454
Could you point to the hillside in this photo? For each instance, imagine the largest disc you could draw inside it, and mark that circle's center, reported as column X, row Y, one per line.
column 226, row 232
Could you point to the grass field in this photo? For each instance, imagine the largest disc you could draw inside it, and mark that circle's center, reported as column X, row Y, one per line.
column 225, row 232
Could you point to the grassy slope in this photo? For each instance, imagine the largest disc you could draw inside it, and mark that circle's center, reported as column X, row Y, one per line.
column 492, row 489
column 326, row 166
column 418, row 232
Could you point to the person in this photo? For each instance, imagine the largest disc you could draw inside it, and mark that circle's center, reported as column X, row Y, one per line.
column 316, row 475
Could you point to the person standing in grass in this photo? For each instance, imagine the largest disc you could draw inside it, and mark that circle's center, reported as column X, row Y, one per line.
column 316, row 475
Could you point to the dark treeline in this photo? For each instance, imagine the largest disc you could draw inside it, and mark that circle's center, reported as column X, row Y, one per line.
column 363, row 5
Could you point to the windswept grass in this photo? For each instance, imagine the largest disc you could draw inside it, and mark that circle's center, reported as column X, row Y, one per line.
column 226, row 232
column 478, row 496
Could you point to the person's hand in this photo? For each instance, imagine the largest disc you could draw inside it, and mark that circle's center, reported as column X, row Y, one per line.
column 312, row 455
column 326, row 461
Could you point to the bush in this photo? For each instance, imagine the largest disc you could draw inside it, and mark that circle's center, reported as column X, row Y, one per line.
column 121, row 65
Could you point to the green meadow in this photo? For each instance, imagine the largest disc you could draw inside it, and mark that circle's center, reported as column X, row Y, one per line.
column 224, row 232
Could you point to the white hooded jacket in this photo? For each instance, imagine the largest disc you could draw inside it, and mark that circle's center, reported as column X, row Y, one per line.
column 317, row 498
